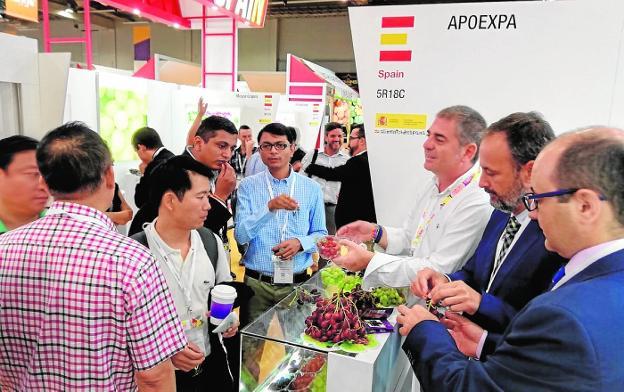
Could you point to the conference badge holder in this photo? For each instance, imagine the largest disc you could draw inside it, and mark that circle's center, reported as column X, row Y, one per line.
column 283, row 270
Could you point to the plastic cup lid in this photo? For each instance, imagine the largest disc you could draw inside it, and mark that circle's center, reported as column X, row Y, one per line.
column 224, row 292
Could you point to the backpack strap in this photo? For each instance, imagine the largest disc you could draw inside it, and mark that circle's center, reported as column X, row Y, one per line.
column 141, row 238
column 210, row 244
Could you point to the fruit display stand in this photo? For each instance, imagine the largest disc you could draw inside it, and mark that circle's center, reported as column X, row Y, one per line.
column 277, row 356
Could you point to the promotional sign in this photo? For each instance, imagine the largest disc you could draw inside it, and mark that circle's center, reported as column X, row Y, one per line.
column 23, row 9
column 559, row 58
column 250, row 12
column 161, row 11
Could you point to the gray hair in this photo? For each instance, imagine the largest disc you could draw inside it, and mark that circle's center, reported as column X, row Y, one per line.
column 594, row 159
column 470, row 125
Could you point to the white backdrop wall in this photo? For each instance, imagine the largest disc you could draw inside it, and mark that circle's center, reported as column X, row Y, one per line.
column 21, row 67
column 561, row 58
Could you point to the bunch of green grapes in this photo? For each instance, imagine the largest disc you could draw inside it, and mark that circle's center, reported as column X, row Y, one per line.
column 387, row 297
column 350, row 282
column 333, row 276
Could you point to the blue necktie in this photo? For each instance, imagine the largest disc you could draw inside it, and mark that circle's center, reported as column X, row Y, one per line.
column 558, row 275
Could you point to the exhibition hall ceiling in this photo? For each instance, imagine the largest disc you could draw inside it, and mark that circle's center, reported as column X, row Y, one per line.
column 105, row 16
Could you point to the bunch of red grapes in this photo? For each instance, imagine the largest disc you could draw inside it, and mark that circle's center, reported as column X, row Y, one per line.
column 336, row 320
column 328, row 247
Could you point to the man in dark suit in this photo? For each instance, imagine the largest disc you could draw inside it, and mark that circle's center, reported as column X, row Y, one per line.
column 152, row 153
column 510, row 265
column 212, row 145
column 571, row 337
column 355, row 200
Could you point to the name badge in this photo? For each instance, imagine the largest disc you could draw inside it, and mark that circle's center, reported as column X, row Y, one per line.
column 283, row 271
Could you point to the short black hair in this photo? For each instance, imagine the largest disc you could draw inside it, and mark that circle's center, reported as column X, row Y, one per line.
column 361, row 134
column 9, row 146
column 73, row 158
column 333, row 125
column 279, row 130
column 244, row 127
column 210, row 125
column 527, row 134
column 173, row 175
column 147, row 137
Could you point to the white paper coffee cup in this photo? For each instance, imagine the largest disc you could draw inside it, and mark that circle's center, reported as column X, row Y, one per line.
column 221, row 304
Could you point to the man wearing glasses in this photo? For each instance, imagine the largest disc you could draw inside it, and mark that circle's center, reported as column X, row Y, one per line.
column 510, row 266
column 355, row 200
column 280, row 214
column 569, row 338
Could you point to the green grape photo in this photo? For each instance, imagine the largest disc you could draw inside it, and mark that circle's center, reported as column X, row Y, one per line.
column 121, row 113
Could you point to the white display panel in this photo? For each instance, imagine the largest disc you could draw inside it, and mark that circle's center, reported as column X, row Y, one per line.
column 559, row 58
column 9, row 115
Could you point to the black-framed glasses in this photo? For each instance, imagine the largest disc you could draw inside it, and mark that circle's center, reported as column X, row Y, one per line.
column 355, row 137
column 269, row 146
column 530, row 199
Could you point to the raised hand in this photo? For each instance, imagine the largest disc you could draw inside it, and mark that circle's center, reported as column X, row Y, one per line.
column 226, row 182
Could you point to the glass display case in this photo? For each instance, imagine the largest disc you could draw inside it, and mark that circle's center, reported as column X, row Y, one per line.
column 275, row 357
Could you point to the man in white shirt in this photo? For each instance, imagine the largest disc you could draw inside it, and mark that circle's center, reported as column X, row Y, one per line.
column 177, row 245
column 448, row 217
column 331, row 156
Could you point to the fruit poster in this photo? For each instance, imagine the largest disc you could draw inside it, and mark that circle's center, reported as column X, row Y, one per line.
column 122, row 112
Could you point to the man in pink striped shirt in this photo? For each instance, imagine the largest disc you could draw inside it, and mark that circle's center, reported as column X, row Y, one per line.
column 82, row 308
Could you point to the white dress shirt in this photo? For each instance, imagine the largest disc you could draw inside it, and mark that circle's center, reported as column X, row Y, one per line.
column 587, row 257
column 449, row 239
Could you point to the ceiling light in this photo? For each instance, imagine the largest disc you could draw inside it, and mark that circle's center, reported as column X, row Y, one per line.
column 176, row 25
column 136, row 11
column 68, row 10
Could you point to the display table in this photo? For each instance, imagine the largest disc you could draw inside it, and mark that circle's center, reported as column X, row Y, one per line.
column 275, row 357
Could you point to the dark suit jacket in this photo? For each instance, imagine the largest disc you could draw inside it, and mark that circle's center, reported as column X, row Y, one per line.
column 569, row 339
column 141, row 192
column 526, row 272
column 216, row 220
column 355, row 200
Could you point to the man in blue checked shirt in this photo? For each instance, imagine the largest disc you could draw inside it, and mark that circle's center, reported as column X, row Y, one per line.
column 280, row 214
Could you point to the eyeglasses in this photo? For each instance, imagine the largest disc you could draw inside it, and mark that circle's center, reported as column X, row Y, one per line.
column 269, row 146
column 530, row 199
column 355, row 137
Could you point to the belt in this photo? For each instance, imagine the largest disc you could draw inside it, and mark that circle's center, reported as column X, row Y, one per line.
column 297, row 278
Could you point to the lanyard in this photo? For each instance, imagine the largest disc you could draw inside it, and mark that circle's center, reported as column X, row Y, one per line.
column 186, row 289
column 241, row 162
column 272, row 196
column 427, row 216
